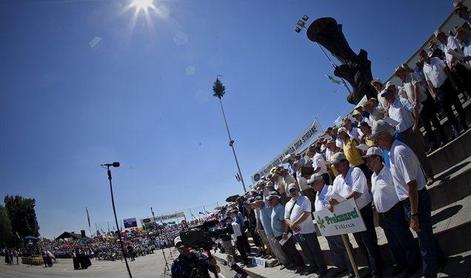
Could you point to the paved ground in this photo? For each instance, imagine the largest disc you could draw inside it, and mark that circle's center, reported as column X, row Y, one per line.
column 143, row 267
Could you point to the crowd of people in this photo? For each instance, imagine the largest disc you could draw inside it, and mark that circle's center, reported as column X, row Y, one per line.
column 377, row 157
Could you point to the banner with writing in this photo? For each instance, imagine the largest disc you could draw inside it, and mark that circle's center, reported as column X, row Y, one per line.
column 345, row 219
column 307, row 137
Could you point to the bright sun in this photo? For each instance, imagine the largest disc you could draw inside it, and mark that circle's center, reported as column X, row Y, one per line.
column 143, row 5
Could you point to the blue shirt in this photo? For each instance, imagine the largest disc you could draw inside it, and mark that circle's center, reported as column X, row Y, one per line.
column 277, row 218
column 265, row 218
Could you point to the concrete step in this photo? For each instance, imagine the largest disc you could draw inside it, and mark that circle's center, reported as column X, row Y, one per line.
column 458, row 265
column 451, row 226
column 452, row 153
column 451, row 185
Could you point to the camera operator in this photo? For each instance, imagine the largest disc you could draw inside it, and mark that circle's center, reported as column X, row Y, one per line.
column 192, row 264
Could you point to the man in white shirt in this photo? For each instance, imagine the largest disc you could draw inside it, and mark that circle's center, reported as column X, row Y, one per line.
column 391, row 213
column 401, row 111
column 441, row 88
column 409, row 184
column 335, row 242
column 456, row 61
column 352, row 183
column 415, row 86
column 299, row 218
column 237, row 237
column 320, row 165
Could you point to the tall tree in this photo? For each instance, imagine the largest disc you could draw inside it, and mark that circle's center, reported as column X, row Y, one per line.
column 6, row 234
column 22, row 215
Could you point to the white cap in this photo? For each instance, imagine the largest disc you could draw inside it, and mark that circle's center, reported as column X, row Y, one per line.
column 314, row 178
column 373, row 151
column 177, row 241
column 337, row 157
column 381, row 126
column 292, row 185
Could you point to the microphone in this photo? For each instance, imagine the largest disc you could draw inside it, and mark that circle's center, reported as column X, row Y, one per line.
column 114, row 164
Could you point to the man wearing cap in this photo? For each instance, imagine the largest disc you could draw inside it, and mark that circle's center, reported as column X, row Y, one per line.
column 409, row 183
column 265, row 221
column 402, row 111
column 352, row 183
column 441, row 88
column 280, row 231
column 283, row 178
column 391, row 213
column 190, row 263
column 419, row 96
column 299, row 218
column 352, row 153
column 238, row 237
column 323, row 193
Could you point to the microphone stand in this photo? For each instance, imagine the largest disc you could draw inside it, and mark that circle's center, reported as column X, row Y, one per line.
column 116, row 221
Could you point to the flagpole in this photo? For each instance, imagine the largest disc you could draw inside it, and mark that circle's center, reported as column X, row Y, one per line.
column 88, row 219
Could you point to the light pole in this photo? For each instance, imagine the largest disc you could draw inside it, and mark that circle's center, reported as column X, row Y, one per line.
column 219, row 91
column 107, row 166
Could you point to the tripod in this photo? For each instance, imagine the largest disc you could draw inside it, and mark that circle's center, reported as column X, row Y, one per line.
column 166, row 268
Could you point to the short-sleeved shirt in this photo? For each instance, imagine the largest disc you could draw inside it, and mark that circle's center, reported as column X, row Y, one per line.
column 322, row 198
column 452, row 44
column 265, row 219
column 302, row 182
column 354, row 181
column 319, row 161
column 352, row 153
column 236, row 229
column 383, row 190
column 301, row 205
column 405, row 167
column 277, row 218
column 401, row 111
column 435, row 72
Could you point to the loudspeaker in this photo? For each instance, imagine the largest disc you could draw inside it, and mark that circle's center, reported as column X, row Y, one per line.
column 82, row 233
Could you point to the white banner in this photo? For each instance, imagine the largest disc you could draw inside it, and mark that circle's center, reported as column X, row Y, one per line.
column 307, row 137
column 345, row 219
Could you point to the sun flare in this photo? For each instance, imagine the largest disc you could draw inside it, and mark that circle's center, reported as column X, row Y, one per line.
column 143, row 5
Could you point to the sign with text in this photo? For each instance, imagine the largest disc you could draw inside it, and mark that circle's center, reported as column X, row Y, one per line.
column 130, row 223
column 345, row 219
column 307, row 137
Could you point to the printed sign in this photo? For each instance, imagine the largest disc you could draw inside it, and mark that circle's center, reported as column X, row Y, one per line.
column 130, row 223
column 345, row 219
column 307, row 137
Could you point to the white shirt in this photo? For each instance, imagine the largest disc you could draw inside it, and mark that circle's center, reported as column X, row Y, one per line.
column 322, row 198
column 301, row 205
column 328, row 154
column 401, row 111
column 319, row 161
column 302, row 182
column 355, row 180
column 383, row 190
column 237, row 232
column 405, row 167
column 435, row 72
column 354, row 133
column 452, row 44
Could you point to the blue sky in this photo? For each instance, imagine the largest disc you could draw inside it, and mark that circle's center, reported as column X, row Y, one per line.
column 142, row 95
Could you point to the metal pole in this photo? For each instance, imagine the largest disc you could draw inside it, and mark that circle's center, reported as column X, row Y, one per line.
column 116, row 221
column 231, row 144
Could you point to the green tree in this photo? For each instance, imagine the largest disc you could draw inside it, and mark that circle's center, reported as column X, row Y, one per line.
column 22, row 215
column 6, row 234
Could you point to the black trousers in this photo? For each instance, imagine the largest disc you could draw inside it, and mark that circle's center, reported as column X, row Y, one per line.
column 447, row 97
column 429, row 118
column 368, row 242
column 241, row 248
column 291, row 252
